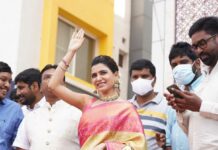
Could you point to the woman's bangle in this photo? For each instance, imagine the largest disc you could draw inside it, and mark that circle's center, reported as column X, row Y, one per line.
column 65, row 63
column 62, row 68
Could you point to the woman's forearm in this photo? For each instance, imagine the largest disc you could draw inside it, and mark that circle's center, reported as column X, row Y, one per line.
column 57, row 78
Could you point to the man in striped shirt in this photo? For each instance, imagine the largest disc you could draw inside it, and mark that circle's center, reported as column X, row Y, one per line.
column 151, row 106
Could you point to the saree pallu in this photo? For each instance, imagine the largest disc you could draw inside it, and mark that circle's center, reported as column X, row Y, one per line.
column 116, row 124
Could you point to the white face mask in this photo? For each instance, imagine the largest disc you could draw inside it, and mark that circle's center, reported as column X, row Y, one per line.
column 141, row 86
column 183, row 74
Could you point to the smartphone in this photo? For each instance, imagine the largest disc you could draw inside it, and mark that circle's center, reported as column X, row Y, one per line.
column 170, row 89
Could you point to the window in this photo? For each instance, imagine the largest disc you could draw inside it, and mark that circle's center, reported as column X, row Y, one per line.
column 81, row 64
column 121, row 57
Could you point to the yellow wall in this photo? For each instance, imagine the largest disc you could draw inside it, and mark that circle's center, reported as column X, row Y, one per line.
column 94, row 16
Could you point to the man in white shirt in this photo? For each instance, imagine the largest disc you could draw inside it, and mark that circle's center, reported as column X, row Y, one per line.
column 28, row 89
column 52, row 126
column 200, row 117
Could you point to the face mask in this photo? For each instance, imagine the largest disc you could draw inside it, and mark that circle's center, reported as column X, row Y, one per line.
column 141, row 86
column 183, row 74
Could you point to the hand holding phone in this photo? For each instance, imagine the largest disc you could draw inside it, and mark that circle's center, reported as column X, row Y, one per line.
column 172, row 91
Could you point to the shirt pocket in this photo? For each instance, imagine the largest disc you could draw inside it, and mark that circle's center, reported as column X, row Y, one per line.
column 2, row 123
column 7, row 129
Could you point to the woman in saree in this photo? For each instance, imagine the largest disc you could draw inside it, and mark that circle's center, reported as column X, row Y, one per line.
column 107, row 122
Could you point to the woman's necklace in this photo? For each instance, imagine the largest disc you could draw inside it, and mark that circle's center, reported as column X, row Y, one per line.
column 109, row 98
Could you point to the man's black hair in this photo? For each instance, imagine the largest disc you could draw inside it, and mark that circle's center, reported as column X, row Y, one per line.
column 4, row 67
column 182, row 49
column 29, row 76
column 207, row 24
column 141, row 64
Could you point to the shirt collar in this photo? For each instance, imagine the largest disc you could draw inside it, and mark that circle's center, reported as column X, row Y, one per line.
column 47, row 104
column 38, row 104
column 3, row 102
column 156, row 100
column 214, row 70
column 196, row 83
column 206, row 69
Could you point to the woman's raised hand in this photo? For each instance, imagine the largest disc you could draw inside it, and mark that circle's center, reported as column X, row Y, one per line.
column 76, row 40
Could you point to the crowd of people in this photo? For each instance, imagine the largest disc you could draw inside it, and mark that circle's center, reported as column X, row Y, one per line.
column 46, row 115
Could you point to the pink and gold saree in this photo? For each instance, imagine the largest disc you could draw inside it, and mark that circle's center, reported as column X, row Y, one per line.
column 115, row 123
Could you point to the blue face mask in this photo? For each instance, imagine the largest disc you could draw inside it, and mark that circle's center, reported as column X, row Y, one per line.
column 183, row 74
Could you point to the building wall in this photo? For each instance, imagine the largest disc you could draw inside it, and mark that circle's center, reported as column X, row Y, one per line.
column 20, row 34
column 29, row 27
column 163, row 36
column 85, row 14
column 30, row 34
column 152, row 34
column 121, row 41
column 188, row 12
column 29, row 31
column 141, row 32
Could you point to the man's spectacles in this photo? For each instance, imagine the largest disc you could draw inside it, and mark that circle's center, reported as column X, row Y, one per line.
column 202, row 43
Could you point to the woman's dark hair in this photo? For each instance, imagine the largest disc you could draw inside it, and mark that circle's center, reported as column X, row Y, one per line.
column 106, row 60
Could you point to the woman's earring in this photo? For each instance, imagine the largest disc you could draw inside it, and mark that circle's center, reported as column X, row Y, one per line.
column 117, row 84
column 95, row 92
